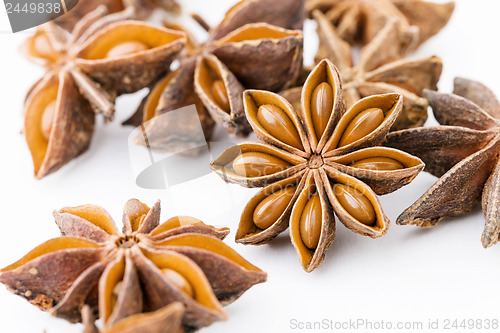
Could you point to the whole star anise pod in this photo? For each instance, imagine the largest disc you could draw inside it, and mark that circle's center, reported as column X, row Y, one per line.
column 316, row 162
column 143, row 269
column 104, row 57
column 379, row 70
column 142, row 9
column 165, row 320
column 463, row 152
column 249, row 48
column 359, row 21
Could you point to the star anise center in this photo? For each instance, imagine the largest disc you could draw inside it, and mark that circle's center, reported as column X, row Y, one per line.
column 315, row 161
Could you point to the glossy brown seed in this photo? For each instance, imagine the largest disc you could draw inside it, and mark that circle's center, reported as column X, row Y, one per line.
column 255, row 164
column 179, row 281
column 278, row 124
column 363, row 124
column 355, row 203
column 321, row 107
column 219, row 94
column 126, row 48
column 310, row 222
column 47, row 119
column 378, row 163
column 270, row 209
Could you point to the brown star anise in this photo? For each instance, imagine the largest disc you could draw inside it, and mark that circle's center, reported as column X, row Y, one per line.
column 165, row 320
column 142, row 9
column 244, row 50
column 359, row 21
column 143, row 269
column 379, row 70
column 104, row 57
column 463, row 152
column 316, row 162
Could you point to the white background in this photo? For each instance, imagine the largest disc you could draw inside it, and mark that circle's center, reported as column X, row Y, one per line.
column 407, row 275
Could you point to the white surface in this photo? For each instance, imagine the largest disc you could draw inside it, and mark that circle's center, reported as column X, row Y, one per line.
column 407, row 275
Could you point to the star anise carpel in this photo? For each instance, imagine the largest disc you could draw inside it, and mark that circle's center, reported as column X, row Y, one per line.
column 140, row 270
column 463, row 152
column 359, row 21
column 252, row 47
column 105, row 56
column 315, row 163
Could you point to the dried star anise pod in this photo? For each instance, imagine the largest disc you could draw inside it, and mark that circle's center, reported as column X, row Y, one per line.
column 143, row 269
column 358, row 21
column 314, row 163
column 244, row 50
column 104, row 57
column 379, row 70
column 142, row 9
column 463, row 152
column 165, row 320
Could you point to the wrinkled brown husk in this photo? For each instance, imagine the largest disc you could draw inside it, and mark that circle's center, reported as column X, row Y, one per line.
column 490, row 203
column 456, row 193
column 478, row 93
column 440, row 147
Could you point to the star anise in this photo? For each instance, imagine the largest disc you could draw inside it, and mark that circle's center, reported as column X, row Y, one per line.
column 316, row 162
column 359, row 21
column 143, row 269
column 380, row 70
column 165, row 320
column 249, row 48
column 104, row 57
column 142, row 9
column 463, row 152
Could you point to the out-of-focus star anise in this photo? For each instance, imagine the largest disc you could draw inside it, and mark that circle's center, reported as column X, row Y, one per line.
column 359, row 21
column 104, row 57
column 379, row 70
column 316, row 162
column 165, row 320
column 142, row 9
column 251, row 47
column 143, row 269
column 463, row 152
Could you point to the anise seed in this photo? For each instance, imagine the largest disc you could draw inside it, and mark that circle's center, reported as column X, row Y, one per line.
column 355, row 203
column 271, row 208
column 363, row 124
column 254, row 164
